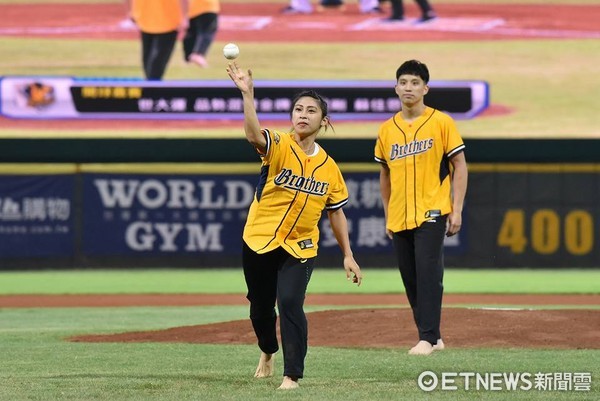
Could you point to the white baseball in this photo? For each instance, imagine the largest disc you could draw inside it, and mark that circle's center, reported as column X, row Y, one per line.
column 231, row 51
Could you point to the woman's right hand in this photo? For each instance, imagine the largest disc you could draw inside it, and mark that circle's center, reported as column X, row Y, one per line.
column 240, row 78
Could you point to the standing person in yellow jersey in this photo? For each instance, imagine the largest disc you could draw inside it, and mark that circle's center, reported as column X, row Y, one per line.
column 203, row 25
column 298, row 181
column 159, row 22
column 423, row 181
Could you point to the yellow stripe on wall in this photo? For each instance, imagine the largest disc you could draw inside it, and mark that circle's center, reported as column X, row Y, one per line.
column 171, row 168
column 37, row 168
column 252, row 168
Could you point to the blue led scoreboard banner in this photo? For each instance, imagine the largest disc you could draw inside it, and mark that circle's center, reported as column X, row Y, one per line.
column 72, row 98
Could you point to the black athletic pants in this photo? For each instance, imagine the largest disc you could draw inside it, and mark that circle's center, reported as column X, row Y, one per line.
column 200, row 34
column 278, row 276
column 156, row 52
column 420, row 258
column 398, row 8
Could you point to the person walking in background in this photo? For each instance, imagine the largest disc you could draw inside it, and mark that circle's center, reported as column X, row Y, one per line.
column 427, row 13
column 203, row 25
column 298, row 180
column 159, row 22
column 423, row 180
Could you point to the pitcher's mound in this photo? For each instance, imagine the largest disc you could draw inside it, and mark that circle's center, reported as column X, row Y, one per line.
column 394, row 328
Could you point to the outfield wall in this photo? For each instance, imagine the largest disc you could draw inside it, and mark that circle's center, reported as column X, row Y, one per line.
column 180, row 215
column 226, row 150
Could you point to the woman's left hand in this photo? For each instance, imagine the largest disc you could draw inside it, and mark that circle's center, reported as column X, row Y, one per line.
column 352, row 270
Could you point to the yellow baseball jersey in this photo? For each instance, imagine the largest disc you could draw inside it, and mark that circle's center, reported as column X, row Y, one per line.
column 157, row 16
column 197, row 7
column 293, row 190
column 418, row 156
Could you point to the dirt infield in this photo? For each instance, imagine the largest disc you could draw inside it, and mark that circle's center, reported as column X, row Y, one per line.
column 394, row 327
column 369, row 327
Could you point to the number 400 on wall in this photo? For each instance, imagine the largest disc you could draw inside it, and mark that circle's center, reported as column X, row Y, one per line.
column 547, row 230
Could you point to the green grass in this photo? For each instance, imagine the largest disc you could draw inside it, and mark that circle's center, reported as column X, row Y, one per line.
column 38, row 364
column 57, row 321
column 175, row 281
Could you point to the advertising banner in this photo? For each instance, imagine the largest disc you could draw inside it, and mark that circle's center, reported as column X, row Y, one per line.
column 64, row 97
column 533, row 215
column 161, row 215
column 164, row 214
column 36, row 216
column 515, row 215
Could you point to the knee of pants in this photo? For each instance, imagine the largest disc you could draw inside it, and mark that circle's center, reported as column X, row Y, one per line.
column 290, row 302
column 262, row 311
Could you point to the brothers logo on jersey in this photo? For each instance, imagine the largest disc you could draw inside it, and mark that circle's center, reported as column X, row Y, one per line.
column 412, row 148
column 302, row 184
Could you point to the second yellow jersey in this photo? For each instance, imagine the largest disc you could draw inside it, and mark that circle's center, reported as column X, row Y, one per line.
column 197, row 7
column 293, row 190
column 157, row 16
column 418, row 156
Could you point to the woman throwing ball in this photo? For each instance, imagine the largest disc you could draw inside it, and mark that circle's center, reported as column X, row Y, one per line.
column 298, row 180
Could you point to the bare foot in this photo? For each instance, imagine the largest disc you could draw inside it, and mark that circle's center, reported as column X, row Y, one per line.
column 422, row 348
column 198, row 59
column 265, row 366
column 289, row 383
column 439, row 345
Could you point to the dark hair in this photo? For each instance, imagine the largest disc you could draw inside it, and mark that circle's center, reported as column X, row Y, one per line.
column 314, row 95
column 413, row 67
column 322, row 103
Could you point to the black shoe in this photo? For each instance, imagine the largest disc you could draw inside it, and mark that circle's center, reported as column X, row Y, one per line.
column 427, row 18
column 331, row 3
column 393, row 19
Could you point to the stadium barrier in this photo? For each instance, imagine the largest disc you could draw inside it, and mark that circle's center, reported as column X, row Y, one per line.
column 192, row 215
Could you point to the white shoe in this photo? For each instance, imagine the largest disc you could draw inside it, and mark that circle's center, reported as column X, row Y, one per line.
column 422, row 348
column 439, row 346
column 198, row 59
column 127, row 24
